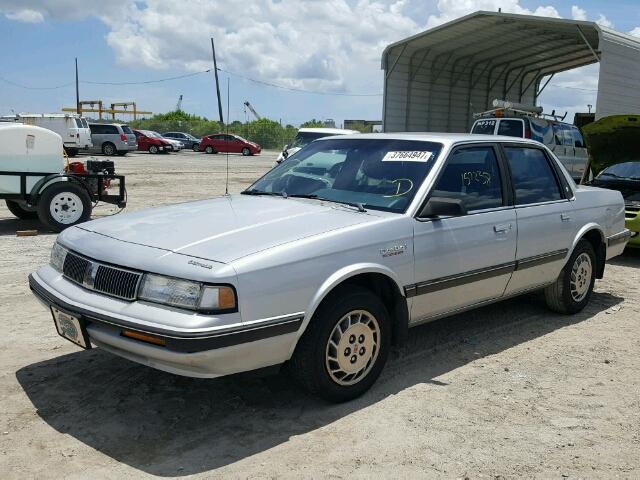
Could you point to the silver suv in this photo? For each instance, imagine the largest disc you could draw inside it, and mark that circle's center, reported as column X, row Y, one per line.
column 112, row 139
column 327, row 260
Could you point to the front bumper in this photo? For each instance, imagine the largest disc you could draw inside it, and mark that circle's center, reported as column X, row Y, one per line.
column 632, row 222
column 232, row 349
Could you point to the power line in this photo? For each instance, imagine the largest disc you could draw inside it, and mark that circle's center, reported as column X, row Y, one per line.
column 147, row 81
column 27, row 87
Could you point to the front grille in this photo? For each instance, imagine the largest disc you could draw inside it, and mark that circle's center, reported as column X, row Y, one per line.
column 106, row 279
column 631, row 212
column 113, row 281
column 75, row 267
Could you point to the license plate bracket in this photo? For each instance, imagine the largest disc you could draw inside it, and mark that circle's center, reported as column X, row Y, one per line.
column 71, row 328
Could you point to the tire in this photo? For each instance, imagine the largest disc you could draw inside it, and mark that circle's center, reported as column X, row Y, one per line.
column 344, row 311
column 209, row 149
column 153, row 149
column 571, row 292
column 195, row 147
column 246, row 152
column 63, row 205
column 21, row 212
column 109, row 149
column 122, row 153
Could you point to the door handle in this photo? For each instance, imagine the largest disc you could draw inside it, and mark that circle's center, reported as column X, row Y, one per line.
column 503, row 227
column 565, row 217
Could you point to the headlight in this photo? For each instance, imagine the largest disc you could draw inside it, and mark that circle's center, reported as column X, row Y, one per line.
column 187, row 294
column 58, row 255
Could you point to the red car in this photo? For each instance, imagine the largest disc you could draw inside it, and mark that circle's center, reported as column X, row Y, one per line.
column 151, row 142
column 224, row 142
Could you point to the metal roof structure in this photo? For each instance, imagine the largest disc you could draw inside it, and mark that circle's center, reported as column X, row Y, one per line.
column 437, row 79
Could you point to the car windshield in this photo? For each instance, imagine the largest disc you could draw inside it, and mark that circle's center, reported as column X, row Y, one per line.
column 626, row 171
column 305, row 138
column 382, row 174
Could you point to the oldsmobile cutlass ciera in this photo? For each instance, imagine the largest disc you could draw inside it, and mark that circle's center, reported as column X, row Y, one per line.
column 328, row 259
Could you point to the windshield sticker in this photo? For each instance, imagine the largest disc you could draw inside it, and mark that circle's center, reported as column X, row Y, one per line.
column 407, row 156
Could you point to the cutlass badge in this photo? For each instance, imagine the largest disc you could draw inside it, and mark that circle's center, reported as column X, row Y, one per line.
column 200, row 264
column 391, row 251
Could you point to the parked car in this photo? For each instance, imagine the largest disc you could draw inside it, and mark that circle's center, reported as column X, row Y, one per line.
column 308, row 135
column 625, row 178
column 328, row 259
column 224, row 142
column 152, row 142
column 73, row 129
column 175, row 145
column 188, row 140
column 563, row 139
column 112, row 139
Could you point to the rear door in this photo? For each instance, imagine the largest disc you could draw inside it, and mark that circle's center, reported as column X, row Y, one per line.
column 234, row 145
column 97, row 136
column 465, row 260
column 546, row 224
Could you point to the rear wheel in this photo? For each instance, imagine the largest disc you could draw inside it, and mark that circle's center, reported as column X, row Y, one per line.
column 63, row 205
column 195, row 147
column 345, row 346
column 572, row 290
column 109, row 149
column 153, row 149
column 246, row 152
column 21, row 210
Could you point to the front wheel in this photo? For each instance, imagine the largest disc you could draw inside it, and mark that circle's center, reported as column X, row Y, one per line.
column 209, row 149
column 246, row 152
column 571, row 292
column 21, row 210
column 63, row 205
column 195, row 147
column 108, row 149
column 345, row 346
column 153, row 149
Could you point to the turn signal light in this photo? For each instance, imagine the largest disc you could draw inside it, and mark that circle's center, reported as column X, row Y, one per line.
column 143, row 337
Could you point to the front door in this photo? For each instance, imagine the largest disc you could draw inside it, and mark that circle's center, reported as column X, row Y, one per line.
column 546, row 226
column 465, row 260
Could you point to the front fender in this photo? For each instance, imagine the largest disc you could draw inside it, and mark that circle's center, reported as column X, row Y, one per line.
column 339, row 277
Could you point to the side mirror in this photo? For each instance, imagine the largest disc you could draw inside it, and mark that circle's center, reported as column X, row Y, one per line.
column 286, row 147
column 443, row 206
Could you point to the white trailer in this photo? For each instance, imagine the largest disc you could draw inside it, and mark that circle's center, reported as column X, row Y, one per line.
column 73, row 129
column 36, row 183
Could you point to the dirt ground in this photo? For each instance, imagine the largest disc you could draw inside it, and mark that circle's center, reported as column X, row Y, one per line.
column 507, row 391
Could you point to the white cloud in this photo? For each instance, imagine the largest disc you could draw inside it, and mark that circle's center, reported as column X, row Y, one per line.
column 604, row 21
column 635, row 32
column 578, row 13
column 26, row 15
column 452, row 9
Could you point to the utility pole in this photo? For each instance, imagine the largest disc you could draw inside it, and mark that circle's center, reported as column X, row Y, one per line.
column 78, row 107
column 215, row 72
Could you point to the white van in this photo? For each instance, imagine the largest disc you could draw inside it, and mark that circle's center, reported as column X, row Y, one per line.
column 564, row 139
column 73, row 129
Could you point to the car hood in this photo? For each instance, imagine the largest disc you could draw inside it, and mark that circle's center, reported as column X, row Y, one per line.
column 228, row 228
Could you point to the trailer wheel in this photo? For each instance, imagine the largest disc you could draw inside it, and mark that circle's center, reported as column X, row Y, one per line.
column 63, row 205
column 20, row 211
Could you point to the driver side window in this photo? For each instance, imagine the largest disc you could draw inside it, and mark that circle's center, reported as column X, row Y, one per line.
column 472, row 175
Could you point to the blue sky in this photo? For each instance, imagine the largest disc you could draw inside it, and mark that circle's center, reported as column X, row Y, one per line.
column 332, row 46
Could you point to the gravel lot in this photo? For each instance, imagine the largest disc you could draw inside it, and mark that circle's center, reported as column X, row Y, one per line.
column 507, row 391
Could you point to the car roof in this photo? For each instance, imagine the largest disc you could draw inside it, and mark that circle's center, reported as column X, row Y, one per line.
column 335, row 131
column 444, row 138
column 515, row 117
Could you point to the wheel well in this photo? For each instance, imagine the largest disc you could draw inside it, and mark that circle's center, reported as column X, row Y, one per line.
column 387, row 290
column 595, row 238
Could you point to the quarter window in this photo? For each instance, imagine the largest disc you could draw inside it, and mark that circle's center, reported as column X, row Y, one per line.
column 484, row 127
column 533, row 178
column 511, row 128
column 472, row 175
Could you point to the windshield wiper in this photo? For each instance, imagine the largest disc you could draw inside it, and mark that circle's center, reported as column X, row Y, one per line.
column 253, row 191
column 357, row 205
column 609, row 174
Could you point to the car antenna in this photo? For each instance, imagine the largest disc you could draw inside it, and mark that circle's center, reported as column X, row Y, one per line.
column 226, row 183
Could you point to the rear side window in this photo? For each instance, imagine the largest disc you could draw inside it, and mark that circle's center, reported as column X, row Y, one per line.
column 533, row 178
column 94, row 128
column 78, row 123
column 484, row 127
column 126, row 129
column 472, row 175
column 511, row 128
column 111, row 129
column 577, row 138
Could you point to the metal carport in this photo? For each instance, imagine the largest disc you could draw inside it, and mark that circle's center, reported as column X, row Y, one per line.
column 436, row 80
